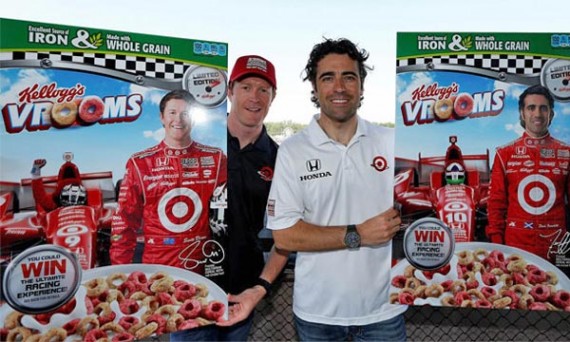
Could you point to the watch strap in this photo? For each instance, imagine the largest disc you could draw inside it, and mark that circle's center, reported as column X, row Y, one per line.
column 265, row 284
column 351, row 228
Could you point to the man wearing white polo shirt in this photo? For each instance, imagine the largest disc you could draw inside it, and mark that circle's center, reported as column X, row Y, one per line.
column 331, row 200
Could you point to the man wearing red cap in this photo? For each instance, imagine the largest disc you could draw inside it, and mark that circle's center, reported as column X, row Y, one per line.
column 251, row 159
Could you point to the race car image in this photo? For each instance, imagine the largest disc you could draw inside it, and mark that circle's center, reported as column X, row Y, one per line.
column 71, row 209
column 453, row 188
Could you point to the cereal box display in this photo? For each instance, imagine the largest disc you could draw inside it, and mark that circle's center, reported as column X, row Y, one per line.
column 78, row 106
column 482, row 170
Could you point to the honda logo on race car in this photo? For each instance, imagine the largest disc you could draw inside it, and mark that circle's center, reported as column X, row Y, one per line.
column 313, row 165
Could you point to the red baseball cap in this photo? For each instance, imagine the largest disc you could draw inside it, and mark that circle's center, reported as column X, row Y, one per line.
column 255, row 66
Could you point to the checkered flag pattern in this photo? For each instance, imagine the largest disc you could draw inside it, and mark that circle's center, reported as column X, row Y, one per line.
column 137, row 65
column 512, row 64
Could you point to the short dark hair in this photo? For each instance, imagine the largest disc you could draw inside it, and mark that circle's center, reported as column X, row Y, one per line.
column 177, row 94
column 341, row 46
column 536, row 89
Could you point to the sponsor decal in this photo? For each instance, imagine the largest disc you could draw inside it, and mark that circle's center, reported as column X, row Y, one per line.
column 547, row 153
column 168, row 241
column 163, row 168
column 529, row 163
column 315, row 176
column 271, row 207
column 536, row 194
column 161, row 161
column 189, row 163
column 563, row 154
column 379, row 164
column 193, row 174
column 313, row 165
column 207, row 161
column 266, row 173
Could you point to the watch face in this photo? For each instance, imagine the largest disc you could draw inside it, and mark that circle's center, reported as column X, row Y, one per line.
column 207, row 85
column 352, row 240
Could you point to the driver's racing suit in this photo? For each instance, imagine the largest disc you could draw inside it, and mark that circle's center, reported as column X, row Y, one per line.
column 166, row 191
column 529, row 184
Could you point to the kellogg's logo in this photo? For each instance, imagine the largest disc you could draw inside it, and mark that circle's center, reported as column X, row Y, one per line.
column 40, row 107
column 441, row 103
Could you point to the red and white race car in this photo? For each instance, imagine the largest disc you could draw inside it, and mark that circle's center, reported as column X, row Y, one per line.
column 82, row 229
column 454, row 188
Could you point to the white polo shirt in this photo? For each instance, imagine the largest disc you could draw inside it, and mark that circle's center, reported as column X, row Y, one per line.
column 326, row 183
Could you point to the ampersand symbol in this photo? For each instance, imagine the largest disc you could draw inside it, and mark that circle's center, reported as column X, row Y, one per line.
column 82, row 40
column 455, row 44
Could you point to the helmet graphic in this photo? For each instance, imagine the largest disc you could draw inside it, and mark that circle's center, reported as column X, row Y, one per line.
column 73, row 194
column 454, row 174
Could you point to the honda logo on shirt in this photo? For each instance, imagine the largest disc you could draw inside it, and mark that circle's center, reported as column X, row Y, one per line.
column 313, row 165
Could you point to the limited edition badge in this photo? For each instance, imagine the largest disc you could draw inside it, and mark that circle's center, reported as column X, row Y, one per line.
column 41, row 279
column 207, row 85
column 428, row 244
column 555, row 76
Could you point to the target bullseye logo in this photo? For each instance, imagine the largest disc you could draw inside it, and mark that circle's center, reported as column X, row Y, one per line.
column 536, row 194
column 179, row 209
column 380, row 164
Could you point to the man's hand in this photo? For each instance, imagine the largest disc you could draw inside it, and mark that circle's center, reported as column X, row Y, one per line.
column 242, row 305
column 380, row 228
column 36, row 168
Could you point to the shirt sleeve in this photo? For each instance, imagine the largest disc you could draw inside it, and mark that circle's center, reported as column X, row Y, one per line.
column 43, row 199
column 285, row 203
column 128, row 217
column 498, row 201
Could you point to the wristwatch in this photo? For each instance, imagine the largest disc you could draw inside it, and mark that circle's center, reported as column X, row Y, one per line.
column 351, row 238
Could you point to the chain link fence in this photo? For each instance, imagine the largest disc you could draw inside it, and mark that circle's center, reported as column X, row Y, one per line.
column 274, row 321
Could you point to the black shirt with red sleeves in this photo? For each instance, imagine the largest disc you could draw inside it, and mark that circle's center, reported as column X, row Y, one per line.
column 250, row 171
